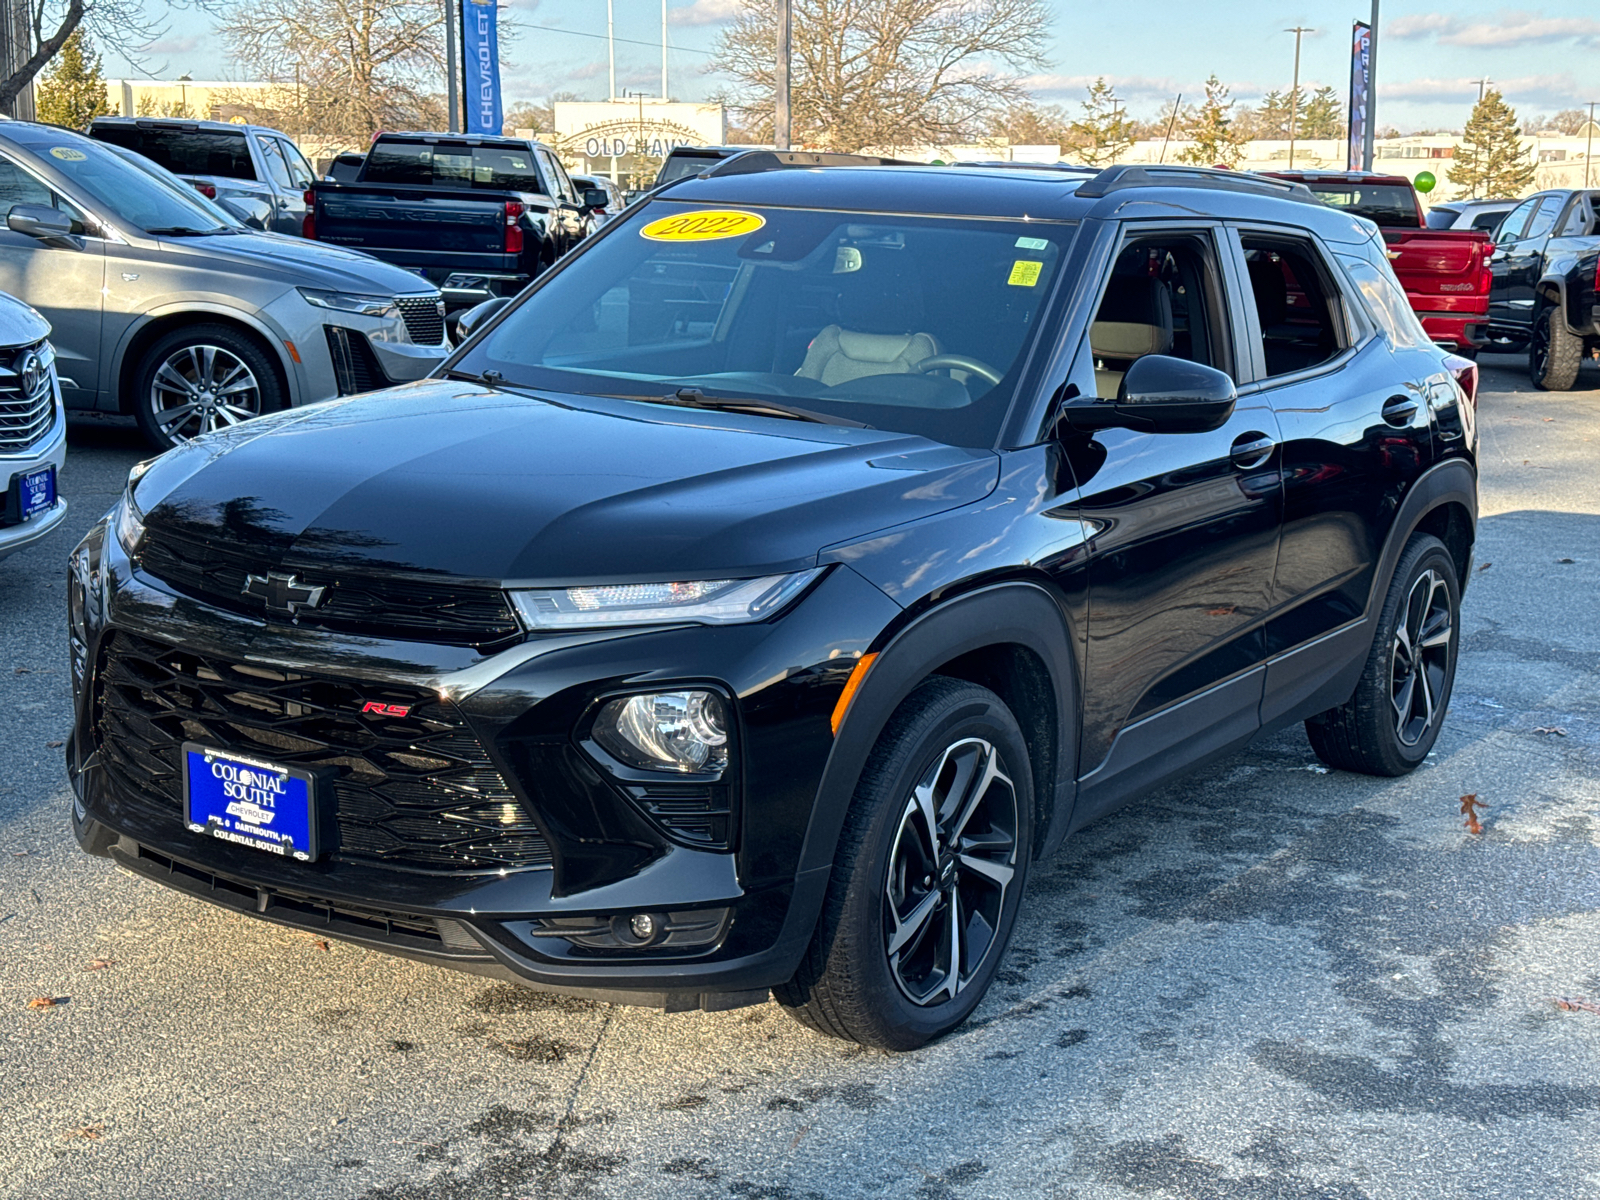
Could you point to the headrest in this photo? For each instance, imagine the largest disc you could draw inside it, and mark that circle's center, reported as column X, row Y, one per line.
column 874, row 347
column 1135, row 319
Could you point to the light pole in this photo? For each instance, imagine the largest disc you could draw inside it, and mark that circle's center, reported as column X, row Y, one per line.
column 183, row 90
column 664, row 51
column 781, row 117
column 1294, row 90
column 451, row 99
column 611, row 49
column 1369, row 148
column 1588, row 150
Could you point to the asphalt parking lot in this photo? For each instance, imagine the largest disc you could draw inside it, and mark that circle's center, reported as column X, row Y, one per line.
column 1270, row 981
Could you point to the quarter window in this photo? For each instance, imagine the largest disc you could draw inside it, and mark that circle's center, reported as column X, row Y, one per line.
column 1544, row 220
column 1512, row 228
column 1386, row 302
column 1296, row 303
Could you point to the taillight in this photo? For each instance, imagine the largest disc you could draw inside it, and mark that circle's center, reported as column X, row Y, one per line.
column 513, row 227
column 1466, row 373
column 1597, row 276
column 308, row 227
column 206, row 190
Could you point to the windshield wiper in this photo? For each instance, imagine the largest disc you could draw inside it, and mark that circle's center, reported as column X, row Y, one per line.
column 186, row 231
column 691, row 397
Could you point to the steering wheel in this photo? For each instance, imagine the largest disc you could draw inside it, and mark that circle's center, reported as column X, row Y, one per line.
column 959, row 362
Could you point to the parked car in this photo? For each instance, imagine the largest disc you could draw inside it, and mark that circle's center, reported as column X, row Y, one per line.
column 478, row 216
column 258, row 173
column 1444, row 272
column 33, row 429
column 164, row 311
column 1470, row 214
column 1546, row 270
column 614, row 201
column 762, row 592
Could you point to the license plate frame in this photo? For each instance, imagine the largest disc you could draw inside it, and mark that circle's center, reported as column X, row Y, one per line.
column 36, row 492
column 237, row 798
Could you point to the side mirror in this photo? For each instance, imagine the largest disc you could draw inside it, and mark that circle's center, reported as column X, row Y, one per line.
column 595, row 199
column 248, row 212
column 1159, row 394
column 477, row 315
column 39, row 221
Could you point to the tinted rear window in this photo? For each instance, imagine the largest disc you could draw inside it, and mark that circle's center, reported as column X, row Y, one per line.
column 1388, row 204
column 678, row 166
column 184, row 152
column 1442, row 218
column 492, row 168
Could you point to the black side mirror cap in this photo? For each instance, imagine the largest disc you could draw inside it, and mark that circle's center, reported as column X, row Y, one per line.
column 595, row 199
column 475, row 316
column 1159, row 394
column 39, row 221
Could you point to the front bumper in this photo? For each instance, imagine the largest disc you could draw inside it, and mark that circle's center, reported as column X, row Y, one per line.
column 609, row 854
column 50, row 451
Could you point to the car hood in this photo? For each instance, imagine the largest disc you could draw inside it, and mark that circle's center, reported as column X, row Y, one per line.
column 452, row 478
column 298, row 261
column 19, row 323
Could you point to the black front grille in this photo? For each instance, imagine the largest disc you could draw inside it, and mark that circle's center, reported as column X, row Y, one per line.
column 406, row 610
column 417, row 791
column 424, row 318
column 25, row 416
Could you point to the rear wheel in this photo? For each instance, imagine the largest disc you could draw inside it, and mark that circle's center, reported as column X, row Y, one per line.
column 932, row 861
column 1391, row 722
column 1555, row 353
column 201, row 378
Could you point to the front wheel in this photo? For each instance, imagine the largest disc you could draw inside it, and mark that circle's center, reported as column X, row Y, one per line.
column 201, row 378
column 1555, row 353
column 1391, row 722
column 930, row 870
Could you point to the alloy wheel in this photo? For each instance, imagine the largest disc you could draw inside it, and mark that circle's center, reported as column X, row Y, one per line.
column 201, row 388
column 1539, row 347
column 1420, row 657
column 951, row 867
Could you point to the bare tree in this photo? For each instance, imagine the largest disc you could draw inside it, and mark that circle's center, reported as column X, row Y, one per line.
column 346, row 68
column 885, row 72
column 43, row 27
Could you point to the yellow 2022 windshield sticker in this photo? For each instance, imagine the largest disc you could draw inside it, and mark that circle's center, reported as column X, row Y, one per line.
column 707, row 225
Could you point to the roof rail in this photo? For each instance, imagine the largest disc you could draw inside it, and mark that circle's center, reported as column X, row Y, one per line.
column 1130, row 175
column 750, row 162
column 1006, row 164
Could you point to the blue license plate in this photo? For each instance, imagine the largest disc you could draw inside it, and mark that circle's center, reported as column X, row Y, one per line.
column 250, row 802
column 38, row 491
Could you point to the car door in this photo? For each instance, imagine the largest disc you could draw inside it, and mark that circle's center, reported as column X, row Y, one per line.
column 1185, row 530
column 566, row 215
column 288, row 205
column 63, row 278
column 292, row 207
column 1352, row 408
column 1510, row 297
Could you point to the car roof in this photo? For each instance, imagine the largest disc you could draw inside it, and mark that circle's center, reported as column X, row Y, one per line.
column 185, row 124
column 471, row 139
column 1044, row 193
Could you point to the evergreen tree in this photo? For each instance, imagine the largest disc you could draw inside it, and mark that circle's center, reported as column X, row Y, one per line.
column 1270, row 122
column 1322, row 116
column 1489, row 160
column 73, row 92
column 1214, row 142
column 1105, row 132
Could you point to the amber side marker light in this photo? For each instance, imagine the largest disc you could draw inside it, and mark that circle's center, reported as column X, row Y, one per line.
column 851, row 686
column 293, row 353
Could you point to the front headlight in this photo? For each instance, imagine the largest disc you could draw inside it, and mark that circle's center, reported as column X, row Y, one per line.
column 127, row 517
column 350, row 302
column 667, row 731
column 697, row 602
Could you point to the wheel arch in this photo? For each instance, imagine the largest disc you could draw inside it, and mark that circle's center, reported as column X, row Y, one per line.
column 142, row 336
column 1442, row 502
column 1012, row 638
column 1552, row 289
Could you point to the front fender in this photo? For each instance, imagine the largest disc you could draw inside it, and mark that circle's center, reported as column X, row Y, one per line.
column 199, row 309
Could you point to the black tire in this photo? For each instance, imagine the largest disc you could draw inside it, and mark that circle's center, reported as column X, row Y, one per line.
column 890, row 880
column 196, row 356
column 1554, row 353
column 1381, row 729
column 1468, row 352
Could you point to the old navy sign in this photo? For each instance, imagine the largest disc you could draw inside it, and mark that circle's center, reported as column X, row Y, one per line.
column 655, row 146
column 480, row 38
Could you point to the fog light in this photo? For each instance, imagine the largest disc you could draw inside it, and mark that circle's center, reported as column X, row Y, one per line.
column 643, row 926
column 667, row 731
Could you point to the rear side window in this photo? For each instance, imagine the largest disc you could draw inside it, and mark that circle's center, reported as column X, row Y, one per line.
column 1511, row 230
column 185, row 152
column 1386, row 303
column 1489, row 220
column 1296, row 303
column 445, row 164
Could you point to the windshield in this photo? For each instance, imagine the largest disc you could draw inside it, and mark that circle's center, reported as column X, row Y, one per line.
column 912, row 324
column 184, row 152
column 1387, row 204
column 183, row 189
column 498, row 168
column 124, row 190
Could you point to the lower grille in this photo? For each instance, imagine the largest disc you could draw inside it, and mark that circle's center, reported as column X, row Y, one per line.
column 417, row 792
column 355, row 367
column 25, row 415
column 424, row 318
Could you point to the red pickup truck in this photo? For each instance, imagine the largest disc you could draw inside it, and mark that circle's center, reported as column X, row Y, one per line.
column 1445, row 271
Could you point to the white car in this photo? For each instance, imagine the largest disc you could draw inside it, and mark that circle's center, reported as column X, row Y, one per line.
column 33, row 429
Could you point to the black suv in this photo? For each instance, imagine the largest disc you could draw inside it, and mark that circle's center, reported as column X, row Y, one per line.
column 755, row 598
column 1545, row 283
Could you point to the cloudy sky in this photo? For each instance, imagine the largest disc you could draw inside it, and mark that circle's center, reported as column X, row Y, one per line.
column 1543, row 59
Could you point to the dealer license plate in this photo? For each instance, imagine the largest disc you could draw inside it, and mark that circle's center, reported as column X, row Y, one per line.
column 37, row 490
column 250, row 802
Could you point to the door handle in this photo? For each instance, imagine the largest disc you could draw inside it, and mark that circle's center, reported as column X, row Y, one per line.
column 1251, row 450
column 1398, row 410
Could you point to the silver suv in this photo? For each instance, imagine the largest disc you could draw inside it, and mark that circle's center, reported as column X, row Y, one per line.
column 164, row 311
column 33, row 429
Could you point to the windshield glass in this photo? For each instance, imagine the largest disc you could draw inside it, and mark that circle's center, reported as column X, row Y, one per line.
column 1388, row 204
column 222, row 215
column 912, row 324
column 123, row 190
column 443, row 164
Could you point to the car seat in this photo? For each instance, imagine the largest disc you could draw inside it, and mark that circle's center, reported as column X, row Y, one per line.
column 879, row 311
column 1135, row 319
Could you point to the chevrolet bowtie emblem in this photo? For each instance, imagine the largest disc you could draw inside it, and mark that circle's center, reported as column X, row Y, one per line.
column 283, row 593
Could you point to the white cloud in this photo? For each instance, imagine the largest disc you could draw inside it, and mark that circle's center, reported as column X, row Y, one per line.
column 173, row 45
column 705, row 12
column 1509, row 28
column 1536, row 91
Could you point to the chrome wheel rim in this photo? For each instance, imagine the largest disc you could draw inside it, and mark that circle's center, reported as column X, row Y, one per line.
column 950, row 873
column 200, row 388
column 1419, row 660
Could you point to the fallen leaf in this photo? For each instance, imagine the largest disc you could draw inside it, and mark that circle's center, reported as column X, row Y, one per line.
column 90, row 1132
column 1225, row 611
column 99, row 964
column 1484, row 566
column 1555, row 729
column 1470, row 804
column 1566, row 560
column 46, row 1001
column 1576, row 1004
column 1549, row 419
column 58, row 745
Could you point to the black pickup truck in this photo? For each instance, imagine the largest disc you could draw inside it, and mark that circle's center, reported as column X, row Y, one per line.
column 476, row 216
column 1545, row 277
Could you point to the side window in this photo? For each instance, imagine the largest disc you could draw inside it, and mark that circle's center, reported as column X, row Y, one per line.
column 560, row 188
column 300, row 173
column 1296, row 303
column 1386, row 303
column 1544, row 220
column 18, row 187
column 1579, row 220
column 1511, row 229
column 277, row 169
column 1163, row 297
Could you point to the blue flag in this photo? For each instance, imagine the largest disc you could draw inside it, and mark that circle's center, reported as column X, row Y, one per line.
column 480, row 37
